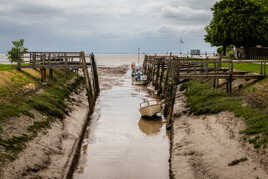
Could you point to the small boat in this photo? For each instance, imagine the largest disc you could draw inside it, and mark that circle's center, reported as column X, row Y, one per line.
column 139, row 79
column 150, row 108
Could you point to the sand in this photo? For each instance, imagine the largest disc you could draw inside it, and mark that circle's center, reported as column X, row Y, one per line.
column 204, row 147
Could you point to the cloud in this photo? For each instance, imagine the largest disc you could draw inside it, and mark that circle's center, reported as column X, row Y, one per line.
column 106, row 25
column 186, row 15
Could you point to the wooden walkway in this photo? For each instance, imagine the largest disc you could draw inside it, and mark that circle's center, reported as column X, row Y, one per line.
column 69, row 62
column 166, row 72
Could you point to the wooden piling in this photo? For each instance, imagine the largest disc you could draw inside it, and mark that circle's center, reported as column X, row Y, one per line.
column 95, row 75
column 87, row 82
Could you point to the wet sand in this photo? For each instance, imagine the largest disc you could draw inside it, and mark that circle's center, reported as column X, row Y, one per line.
column 119, row 144
column 205, row 146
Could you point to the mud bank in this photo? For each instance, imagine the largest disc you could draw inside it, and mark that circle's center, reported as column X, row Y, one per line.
column 110, row 76
column 211, row 146
column 49, row 155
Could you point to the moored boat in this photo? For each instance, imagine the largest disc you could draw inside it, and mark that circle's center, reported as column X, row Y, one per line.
column 149, row 108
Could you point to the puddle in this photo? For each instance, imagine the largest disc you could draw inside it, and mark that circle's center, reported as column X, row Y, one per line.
column 119, row 144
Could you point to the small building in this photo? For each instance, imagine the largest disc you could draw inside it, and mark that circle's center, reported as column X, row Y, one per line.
column 257, row 51
column 195, row 52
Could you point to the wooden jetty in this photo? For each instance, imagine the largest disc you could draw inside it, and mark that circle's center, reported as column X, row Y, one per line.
column 165, row 73
column 67, row 61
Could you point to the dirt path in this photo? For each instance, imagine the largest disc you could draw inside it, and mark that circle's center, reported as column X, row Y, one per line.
column 210, row 146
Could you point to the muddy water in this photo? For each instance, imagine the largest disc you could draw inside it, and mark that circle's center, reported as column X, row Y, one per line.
column 121, row 145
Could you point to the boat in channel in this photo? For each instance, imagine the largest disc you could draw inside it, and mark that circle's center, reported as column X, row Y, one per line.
column 150, row 108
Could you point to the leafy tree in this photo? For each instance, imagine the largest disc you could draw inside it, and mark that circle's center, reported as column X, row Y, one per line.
column 263, row 3
column 16, row 53
column 241, row 23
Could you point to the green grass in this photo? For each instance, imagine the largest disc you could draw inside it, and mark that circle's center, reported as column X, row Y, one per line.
column 202, row 99
column 51, row 103
column 4, row 67
column 250, row 67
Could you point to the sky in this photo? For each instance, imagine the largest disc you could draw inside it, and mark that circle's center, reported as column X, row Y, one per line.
column 110, row 26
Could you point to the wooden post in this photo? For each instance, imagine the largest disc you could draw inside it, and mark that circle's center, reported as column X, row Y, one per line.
column 169, row 88
column 42, row 69
column 161, row 77
column 95, row 75
column 34, row 59
column 215, row 71
column 66, row 65
column 265, row 66
column 175, row 68
column 261, row 66
column 230, row 80
column 157, row 75
column 87, row 81
column 153, row 73
column 50, row 67
column 167, row 77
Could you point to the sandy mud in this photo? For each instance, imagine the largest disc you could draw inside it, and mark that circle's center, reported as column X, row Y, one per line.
column 110, row 76
column 211, row 146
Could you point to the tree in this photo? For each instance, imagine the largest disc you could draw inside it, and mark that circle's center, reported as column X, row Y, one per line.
column 16, row 53
column 263, row 3
column 241, row 23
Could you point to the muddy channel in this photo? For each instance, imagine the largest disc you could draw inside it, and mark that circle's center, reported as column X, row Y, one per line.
column 119, row 144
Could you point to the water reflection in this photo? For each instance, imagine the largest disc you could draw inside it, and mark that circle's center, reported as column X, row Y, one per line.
column 150, row 126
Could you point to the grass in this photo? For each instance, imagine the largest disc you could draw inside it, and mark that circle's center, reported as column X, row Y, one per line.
column 51, row 102
column 4, row 67
column 250, row 67
column 202, row 99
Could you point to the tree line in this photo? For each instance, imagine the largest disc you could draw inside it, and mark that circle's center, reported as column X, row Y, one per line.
column 240, row 23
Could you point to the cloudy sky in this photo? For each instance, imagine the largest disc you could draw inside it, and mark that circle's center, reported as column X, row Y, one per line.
column 107, row 26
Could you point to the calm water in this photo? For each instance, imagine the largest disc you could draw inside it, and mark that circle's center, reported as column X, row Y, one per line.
column 101, row 59
column 120, row 144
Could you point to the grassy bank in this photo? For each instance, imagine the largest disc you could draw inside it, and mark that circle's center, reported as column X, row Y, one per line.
column 203, row 99
column 250, row 67
column 22, row 94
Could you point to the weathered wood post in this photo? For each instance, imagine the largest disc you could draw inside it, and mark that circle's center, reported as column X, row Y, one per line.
column 265, row 58
column 169, row 88
column 145, row 65
column 230, row 79
column 95, row 75
column 168, row 66
column 157, row 74
column 162, row 76
column 154, row 71
column 215, row 71
column 50, row 67
column 34, row 60
column 87, row 81
column 261, row 65
column 43, row 69
column 66, row 64
column 175, row 72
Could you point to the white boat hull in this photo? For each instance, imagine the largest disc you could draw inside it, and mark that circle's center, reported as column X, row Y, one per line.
column 140, row 82
column 151, row 110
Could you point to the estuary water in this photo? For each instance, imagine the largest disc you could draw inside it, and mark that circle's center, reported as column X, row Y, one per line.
column 119, row 144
